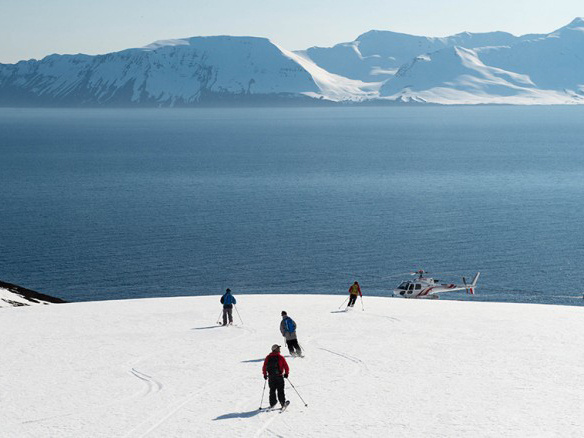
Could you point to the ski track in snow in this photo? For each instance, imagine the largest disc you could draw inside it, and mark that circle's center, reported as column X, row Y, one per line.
column 151, row 425
column 264, row 427
column 359, row 365
column 346, row 356
column 168, row 414
column 152, row 385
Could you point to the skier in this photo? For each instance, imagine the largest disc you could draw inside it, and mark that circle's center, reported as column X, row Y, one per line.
column 288, row 330
column 275, row 370
column 228, row 301
column 354, row 290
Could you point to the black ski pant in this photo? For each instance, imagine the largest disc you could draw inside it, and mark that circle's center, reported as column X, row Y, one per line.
column 352, row 300
column 227, row 313
column 276, row 384
column 293, row 345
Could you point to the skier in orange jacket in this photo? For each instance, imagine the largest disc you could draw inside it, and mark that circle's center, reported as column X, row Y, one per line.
column 354, row 290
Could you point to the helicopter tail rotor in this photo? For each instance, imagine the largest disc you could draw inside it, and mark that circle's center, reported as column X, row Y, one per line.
column 470, row 287
column 468, row 290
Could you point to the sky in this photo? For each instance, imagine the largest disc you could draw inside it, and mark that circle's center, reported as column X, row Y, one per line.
column 36, row 28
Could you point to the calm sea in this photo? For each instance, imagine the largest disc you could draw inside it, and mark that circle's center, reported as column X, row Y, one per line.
column 110, row 204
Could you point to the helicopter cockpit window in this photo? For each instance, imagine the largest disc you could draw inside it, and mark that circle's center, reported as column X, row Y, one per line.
column 411, row 287
column 404, row 285
column 418, row 286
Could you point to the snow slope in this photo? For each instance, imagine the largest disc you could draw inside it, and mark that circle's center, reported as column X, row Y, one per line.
column 458, row 76
column 377, row 55
column 546, row 69
column 11, row 299
column 12, row 295
column 400, row 368
column 551, row 62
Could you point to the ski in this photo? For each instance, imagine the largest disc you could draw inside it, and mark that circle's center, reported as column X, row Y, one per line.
column 283, row 408
column 269, row 409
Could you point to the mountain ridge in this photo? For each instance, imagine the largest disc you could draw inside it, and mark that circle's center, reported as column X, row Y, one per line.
column 247, row 70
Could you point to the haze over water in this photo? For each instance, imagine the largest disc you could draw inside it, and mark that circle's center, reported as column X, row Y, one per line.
column 110, row 204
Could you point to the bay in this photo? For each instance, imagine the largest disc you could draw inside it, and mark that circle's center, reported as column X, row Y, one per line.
column 100, row 204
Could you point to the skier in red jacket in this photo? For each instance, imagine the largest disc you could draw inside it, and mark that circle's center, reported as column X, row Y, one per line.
column 275, row 370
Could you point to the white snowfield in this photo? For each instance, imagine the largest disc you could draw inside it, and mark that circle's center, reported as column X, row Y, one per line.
column 400, row 368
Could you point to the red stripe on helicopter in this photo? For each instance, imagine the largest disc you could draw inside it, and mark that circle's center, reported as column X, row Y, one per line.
column 426, row 291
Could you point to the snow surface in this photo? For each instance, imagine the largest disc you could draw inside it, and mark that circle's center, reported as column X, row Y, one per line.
column 553, row 62
column 376, row 55
column 12, row 299
column 458, row 76
column 332, row 86
column 400, row 368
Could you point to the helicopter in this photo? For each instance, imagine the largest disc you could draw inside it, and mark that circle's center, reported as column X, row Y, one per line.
column 426, row 287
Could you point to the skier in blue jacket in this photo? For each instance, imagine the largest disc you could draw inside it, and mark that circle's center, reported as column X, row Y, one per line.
column 288, row 330
column 228, row 301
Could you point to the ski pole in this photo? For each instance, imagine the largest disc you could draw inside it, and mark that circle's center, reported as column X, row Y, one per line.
column 219, row 317
column 238, row 314
column 344, row 302
column 305, row 404
column 263, row 392
column 362, row 306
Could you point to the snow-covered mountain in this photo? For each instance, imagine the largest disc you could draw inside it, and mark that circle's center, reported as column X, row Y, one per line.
column 389, row 67
column 555, row 61
column 377, row 55
column 12, row 295
column 174, row 73
column 400, row 368
column 548, row 69
column 458, row 76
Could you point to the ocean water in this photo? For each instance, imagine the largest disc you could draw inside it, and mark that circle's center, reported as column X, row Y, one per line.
column 111, row 203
